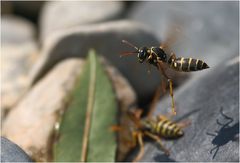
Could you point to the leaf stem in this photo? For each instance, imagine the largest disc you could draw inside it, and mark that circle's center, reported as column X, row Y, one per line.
column 90, row 105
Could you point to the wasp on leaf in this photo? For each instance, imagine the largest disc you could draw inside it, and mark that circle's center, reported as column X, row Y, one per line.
column 158, row 57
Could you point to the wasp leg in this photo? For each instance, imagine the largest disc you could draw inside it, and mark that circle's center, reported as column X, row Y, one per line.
column 171, row 94
column 134, row 137
column 149, row 57
column 140, row 141
column 156, row 138
column 116, row 128
column 131, row 143
column 170, row 86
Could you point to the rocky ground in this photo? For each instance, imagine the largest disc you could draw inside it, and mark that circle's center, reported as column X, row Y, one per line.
column 43, row 55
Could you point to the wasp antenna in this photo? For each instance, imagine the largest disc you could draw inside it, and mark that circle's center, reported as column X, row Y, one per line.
column 127, row 53
column 129, row 44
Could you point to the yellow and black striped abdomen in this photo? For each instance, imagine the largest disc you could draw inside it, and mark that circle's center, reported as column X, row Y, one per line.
column 168, row 129
column 188, row 64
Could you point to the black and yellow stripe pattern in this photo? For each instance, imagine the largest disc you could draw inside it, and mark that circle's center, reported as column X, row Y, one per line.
column 166, row 129
column 188, row 64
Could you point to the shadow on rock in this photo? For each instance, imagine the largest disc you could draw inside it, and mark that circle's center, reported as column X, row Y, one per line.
column 225, row 134
column 185, row 116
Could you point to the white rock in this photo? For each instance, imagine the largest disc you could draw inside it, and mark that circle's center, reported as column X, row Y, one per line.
column 61, row 15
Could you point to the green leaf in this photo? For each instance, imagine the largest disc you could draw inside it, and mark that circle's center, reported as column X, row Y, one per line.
column 84, row 130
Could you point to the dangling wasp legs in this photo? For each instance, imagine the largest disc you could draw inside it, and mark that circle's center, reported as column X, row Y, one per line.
column 138, row 137
column 170, row 86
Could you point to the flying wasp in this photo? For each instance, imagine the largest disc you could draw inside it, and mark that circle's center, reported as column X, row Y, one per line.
column 158, row 57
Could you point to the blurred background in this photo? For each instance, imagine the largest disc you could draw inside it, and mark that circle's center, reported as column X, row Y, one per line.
column 204, row 30
column 36, row 36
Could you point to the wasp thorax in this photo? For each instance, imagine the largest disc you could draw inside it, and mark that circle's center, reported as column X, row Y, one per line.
column 148, row 124
column 163, row 57
column 142, row 54
column 160, row 53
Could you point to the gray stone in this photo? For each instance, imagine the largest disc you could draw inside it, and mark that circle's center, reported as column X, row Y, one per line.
column 31, row 122
column 106, row 39
column 19, row 53
column 17, row 61
column 211, row 102
column 208, row 30
column 57, row 16
column 16, row 30
column 10, row 152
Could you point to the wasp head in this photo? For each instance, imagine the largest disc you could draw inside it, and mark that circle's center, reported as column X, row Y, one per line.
column 142, row 54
